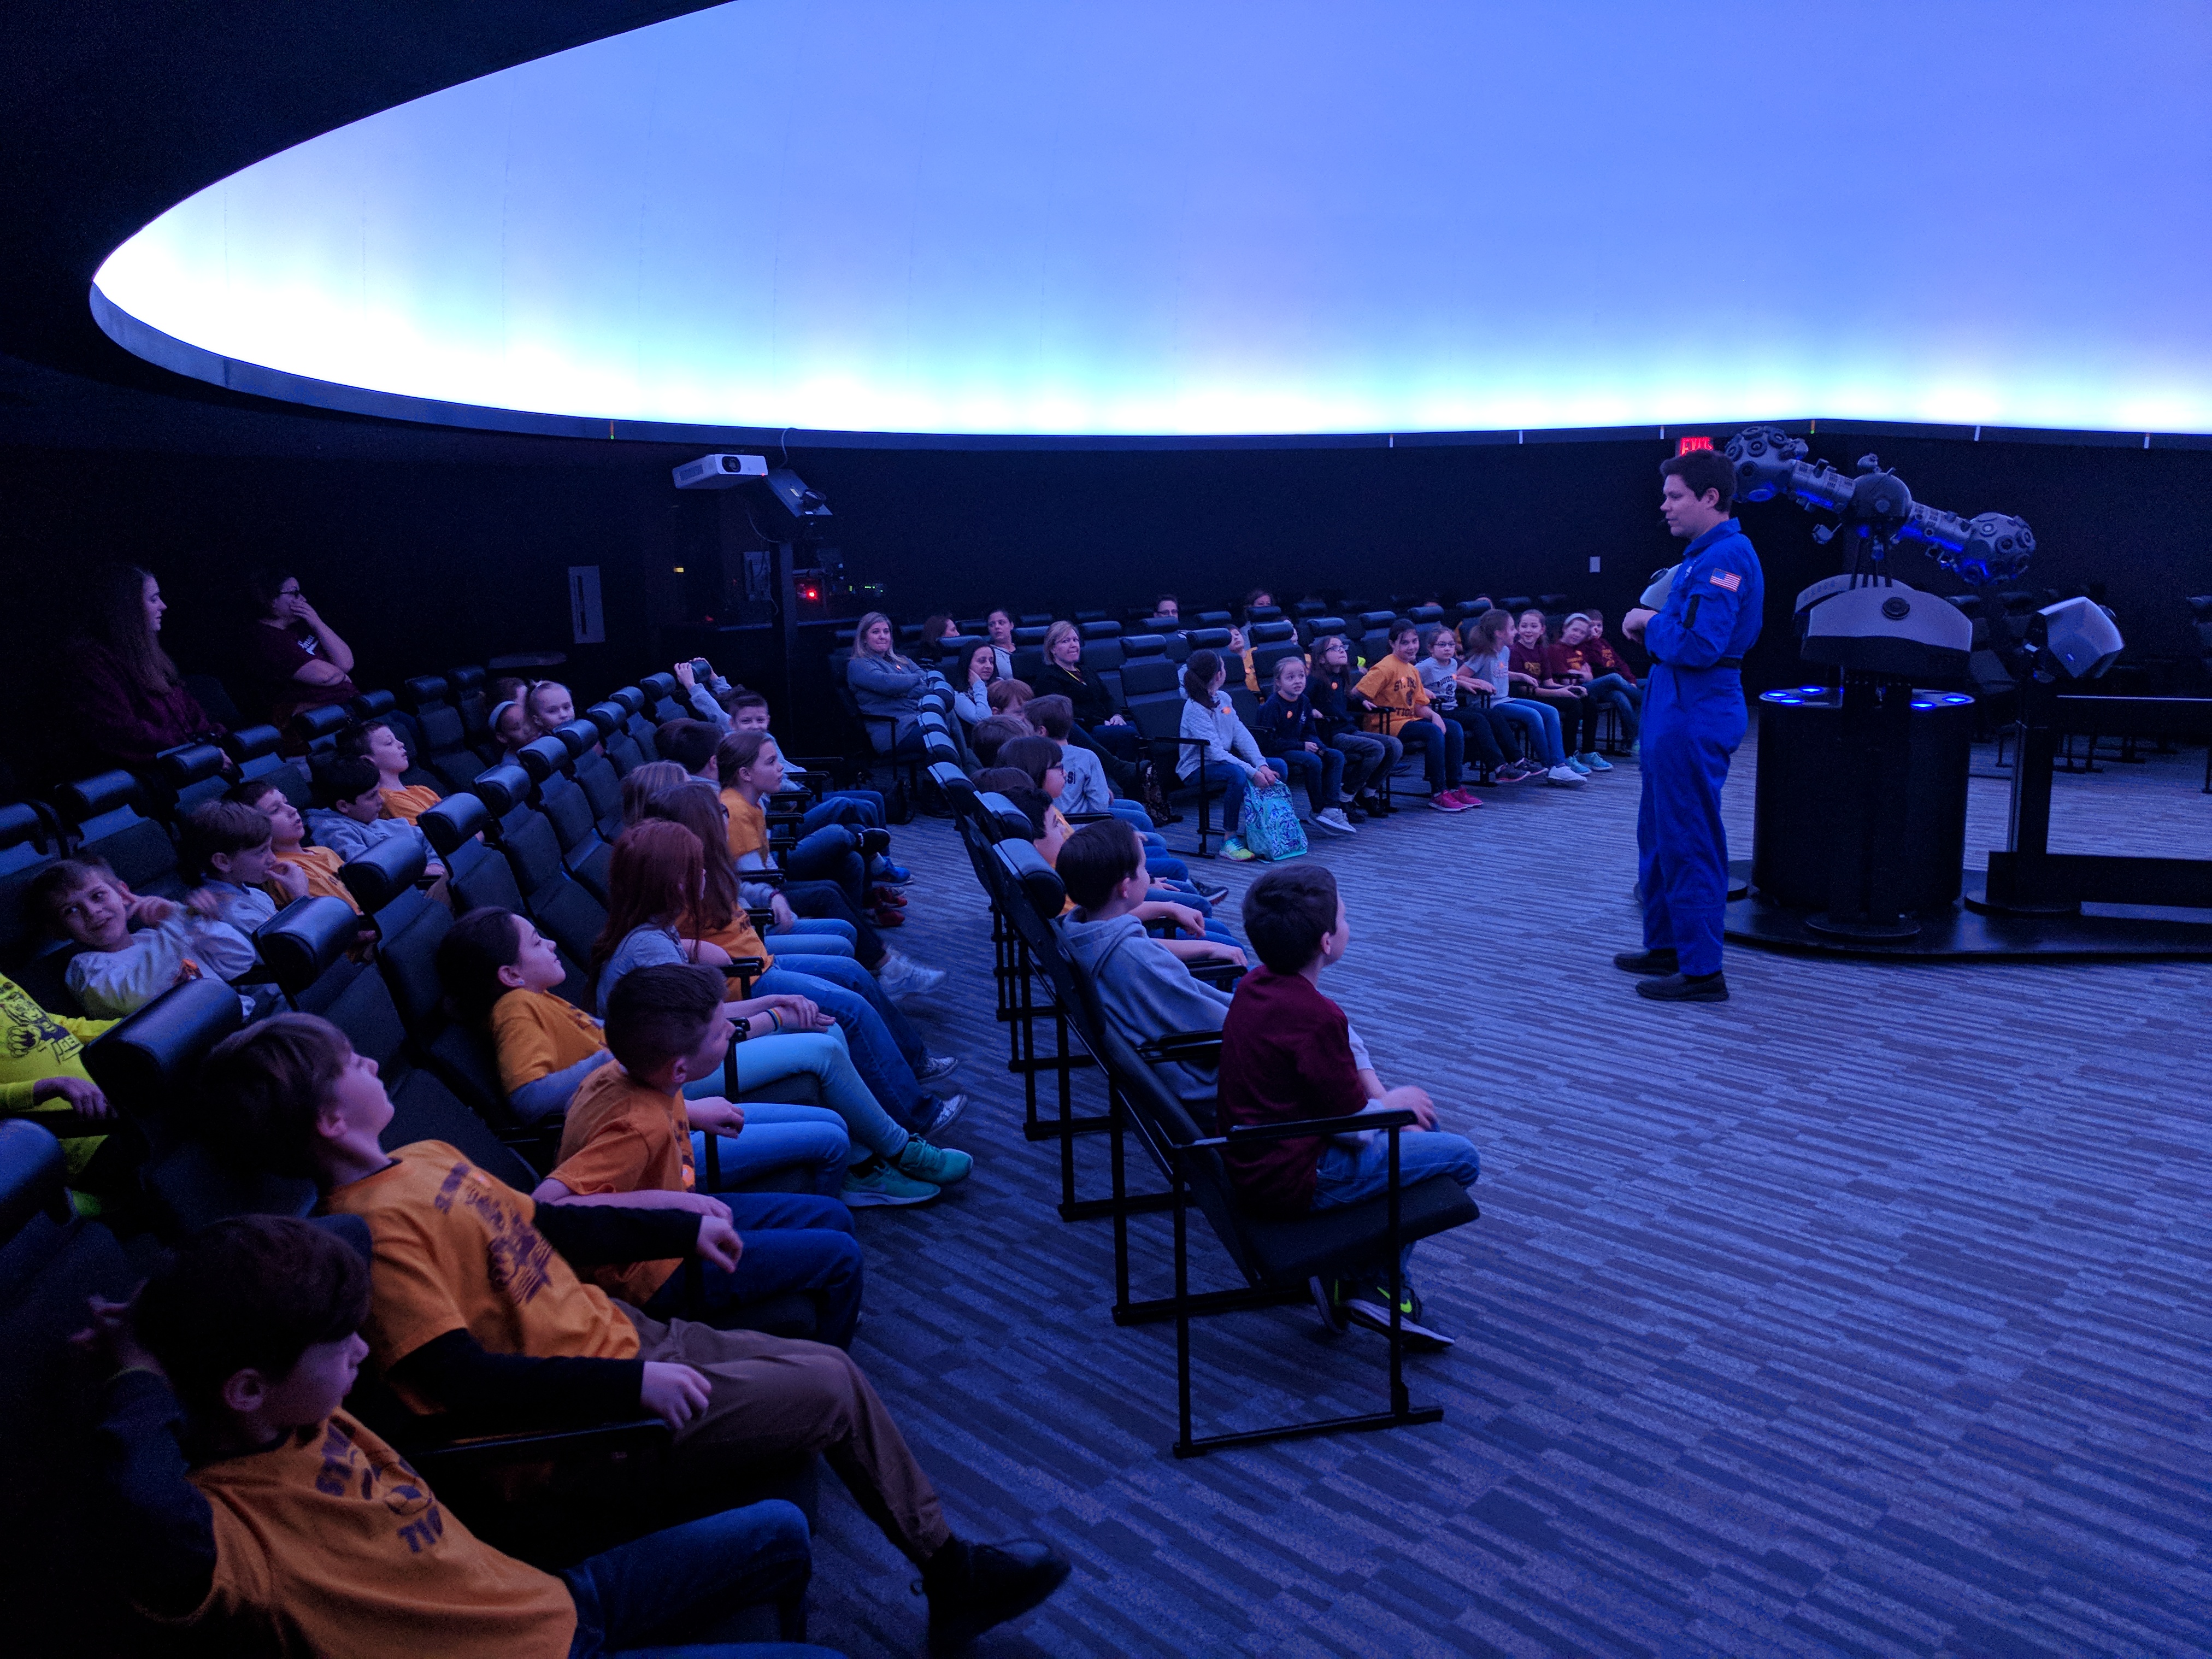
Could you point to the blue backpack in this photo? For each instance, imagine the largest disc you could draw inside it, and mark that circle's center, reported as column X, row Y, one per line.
column 1271, row 826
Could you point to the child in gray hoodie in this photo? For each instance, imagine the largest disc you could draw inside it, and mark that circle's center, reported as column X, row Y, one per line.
column 1145, row 985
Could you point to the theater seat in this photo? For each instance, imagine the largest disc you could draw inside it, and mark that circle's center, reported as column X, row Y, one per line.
column 595, row 776
column 187, row 776
column 319, row 728
column 103, row 814
column 255, row 749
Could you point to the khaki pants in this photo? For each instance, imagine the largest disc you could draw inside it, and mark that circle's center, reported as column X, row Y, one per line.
column 769, row 1397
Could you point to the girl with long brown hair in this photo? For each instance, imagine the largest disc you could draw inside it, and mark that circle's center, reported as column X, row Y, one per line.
column 656, row 885
column 131, row 703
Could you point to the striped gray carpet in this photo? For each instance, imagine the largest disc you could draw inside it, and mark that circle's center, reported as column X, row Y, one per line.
column 1865, row 1315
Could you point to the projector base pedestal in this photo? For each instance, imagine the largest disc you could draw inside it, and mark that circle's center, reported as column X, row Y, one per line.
column 1967, row 931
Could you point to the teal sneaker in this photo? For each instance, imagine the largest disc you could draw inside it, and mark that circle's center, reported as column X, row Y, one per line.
column 875, row 1182
column 1575, row 765
column 1235, row 851
column 1595, row 761
column 938, row 1165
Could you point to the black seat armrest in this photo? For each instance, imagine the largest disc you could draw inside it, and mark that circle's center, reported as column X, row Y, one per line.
column 1386, row 1117
column 1187, row 1047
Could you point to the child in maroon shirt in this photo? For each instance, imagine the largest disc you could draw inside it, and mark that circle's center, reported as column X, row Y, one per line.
column 1287, row 1055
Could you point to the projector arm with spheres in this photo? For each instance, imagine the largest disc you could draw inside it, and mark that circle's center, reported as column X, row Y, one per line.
column 1877, row 509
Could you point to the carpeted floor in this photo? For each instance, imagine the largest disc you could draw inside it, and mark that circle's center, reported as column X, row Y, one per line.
column 1865, row 1315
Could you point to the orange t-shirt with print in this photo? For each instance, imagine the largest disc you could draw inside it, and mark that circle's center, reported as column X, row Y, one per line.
column 321, row 866
column 1395, row 689
column 538, row 1034
column 455, row 1250
column 409, row 802
column 622, row 1137
column 328, row 1544
column 748, row 831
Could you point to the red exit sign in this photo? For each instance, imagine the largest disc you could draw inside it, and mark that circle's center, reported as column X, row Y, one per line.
column 1684, row 446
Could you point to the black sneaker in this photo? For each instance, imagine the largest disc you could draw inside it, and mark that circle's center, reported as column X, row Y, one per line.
column 1647, row 961
column 973, row 1587
column 1357, row 814
column 1211, row 891
column 1367, row 1302
column 1684, row 988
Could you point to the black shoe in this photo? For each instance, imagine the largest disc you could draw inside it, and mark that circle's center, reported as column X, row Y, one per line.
column 1357, row 814
column 973, row 1587
column 1367, row 1303
column 1682, row 987
column 1211, row 891
column 873, row 841
column 1647, row 961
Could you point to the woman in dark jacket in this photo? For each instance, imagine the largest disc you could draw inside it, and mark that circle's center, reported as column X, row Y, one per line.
column 1098, row 726
column 131, row 703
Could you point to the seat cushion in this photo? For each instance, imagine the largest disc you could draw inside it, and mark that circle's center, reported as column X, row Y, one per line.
column 1287, row 1251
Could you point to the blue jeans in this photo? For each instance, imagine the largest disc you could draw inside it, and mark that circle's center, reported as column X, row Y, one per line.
column 878, row 1047
column 825, row 900
column 847, row 975
column 1322, row 774
column 831, row 855
column 862, row 809
column 777, row 1136
column 820, row 936
column 1157, row 860
column 1539, row 728
column 1228, row 780
column 1624, row 696
column 1368, row 759
column 794, row 1242
column 687, row 1581
column 1443, row 750
column 1349, row 1175
column 823, row 1056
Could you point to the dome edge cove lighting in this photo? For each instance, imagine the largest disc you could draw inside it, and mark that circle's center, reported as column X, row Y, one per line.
column 1053, row 220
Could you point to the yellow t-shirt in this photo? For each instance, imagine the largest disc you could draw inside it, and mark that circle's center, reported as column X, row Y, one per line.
column 1396, row 689
column 747, row 826
column 321, row 865
column 410, row 802
column 454, row 1250
column 331, row 1545
column 622, row 1137
column 34, row 1045
column 538, row 1034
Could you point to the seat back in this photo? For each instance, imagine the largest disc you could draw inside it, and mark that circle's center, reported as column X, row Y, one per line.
column 465, row 690
column 304, row 941
column 661, row 699
column 190, row 775
column 384, row 875
column 1269, row 633
column 255, row 748
column 103, row 812
column 596, row 776
column 319, row 728
column 422, row 692
column 1265, row 657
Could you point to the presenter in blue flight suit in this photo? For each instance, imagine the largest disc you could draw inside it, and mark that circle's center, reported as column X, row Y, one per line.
column 1693, row 719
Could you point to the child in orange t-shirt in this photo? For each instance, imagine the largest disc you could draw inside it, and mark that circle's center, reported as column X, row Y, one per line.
column 475, row 1313
column 1398, row 706
column 377, row 742
column 267, row 1518
column 288, row 832
column 628, row 1136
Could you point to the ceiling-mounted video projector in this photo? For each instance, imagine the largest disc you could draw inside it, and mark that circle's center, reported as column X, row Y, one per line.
column 720, row 471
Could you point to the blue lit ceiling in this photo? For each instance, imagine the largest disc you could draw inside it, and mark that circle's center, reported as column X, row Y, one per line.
column 1032, row 217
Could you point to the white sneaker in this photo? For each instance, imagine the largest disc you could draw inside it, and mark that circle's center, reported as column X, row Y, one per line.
column 1564, row 774
column 903, row 977
column 1335, row 823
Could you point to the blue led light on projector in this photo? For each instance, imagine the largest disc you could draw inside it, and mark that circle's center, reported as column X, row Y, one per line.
column 995, row 218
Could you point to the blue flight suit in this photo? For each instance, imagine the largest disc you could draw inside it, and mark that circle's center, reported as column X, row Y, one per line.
column 1693, row 719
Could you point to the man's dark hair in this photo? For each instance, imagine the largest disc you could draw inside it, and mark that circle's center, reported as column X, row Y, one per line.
column 256, row 1292
column 1401, row 626
column 219, row 826
column 995, row 733
column 344, row 777
column 1701, row 470
column 743, row 699
column 1098, row 858
column 1288, row 912
column 1033, row 755
column 689, row 744
column 655, row 1014
column 261, row 1089
column 1053, row 712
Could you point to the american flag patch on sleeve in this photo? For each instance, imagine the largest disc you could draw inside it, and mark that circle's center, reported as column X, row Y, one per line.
column 1727, row 579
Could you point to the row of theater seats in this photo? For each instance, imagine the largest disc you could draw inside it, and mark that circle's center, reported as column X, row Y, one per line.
column 1308, row 616
column 533, row 836
column 1276, row 1259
